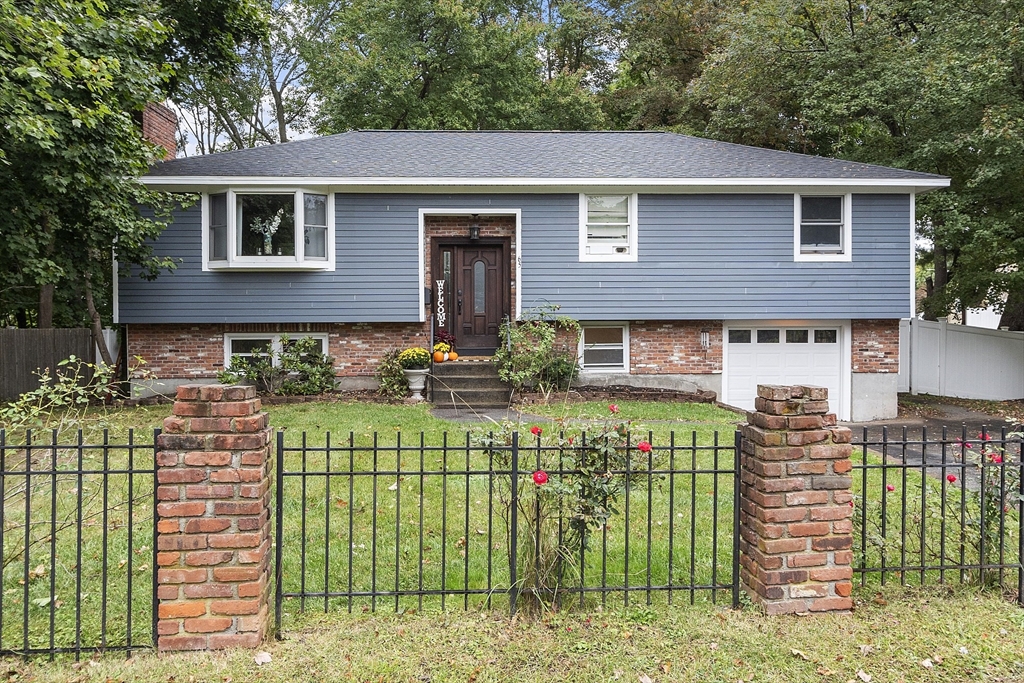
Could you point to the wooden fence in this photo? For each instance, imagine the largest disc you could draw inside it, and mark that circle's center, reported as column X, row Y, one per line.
column 23, row 353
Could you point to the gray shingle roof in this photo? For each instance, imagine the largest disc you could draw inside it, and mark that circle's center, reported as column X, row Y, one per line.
column 521, row 154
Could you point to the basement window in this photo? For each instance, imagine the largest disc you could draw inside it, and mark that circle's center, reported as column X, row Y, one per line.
column 604, row 348
column 263, row 345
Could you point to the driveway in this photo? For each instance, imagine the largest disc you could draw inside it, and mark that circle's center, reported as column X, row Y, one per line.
column 924, row 443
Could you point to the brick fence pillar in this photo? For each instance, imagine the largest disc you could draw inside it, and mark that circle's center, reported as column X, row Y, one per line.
column 213, row 529
column 796, row 531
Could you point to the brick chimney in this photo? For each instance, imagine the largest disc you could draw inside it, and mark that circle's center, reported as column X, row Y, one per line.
column 160, row 126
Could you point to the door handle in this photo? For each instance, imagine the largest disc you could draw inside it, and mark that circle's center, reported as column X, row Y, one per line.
column 460, row 302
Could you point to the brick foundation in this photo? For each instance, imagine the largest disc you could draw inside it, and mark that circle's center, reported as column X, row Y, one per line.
column 875, row 346
column 213, row 528
column 197, row 351
column 795, row 503
column 673, row 347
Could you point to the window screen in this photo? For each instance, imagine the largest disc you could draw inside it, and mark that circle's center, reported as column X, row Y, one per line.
column 821, row 225
column 604, row 347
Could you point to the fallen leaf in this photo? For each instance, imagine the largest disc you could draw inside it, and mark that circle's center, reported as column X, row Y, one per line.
column 801, row 655
column 262, row 658
column 617, row 674
column 393, row 487
column 644, row 678
column 666, row 666
column 866, row 649
column 963, row 650
column 927, row 663
column 713, row 646
column 823, row 671
column 862, row 675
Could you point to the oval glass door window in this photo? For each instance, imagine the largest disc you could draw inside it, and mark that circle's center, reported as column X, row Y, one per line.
column 479, row 294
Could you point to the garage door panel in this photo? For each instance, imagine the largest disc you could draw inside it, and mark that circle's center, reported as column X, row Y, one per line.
column 798, row 357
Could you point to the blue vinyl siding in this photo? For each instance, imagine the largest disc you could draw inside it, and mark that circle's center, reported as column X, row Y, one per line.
column 714, row 256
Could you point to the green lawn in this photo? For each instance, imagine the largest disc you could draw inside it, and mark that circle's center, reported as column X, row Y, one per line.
column 912, row 635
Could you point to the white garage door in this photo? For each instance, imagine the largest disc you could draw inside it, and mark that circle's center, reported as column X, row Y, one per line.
column 776, row 354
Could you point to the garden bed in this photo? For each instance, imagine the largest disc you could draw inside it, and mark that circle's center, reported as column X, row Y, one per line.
column 582, row 394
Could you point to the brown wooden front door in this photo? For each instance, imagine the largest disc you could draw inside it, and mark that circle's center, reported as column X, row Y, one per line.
column 475, row 295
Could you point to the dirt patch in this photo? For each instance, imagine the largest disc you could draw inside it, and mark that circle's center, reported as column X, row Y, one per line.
column 618, row 392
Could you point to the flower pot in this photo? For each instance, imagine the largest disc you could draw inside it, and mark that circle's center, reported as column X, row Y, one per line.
column 417, row 380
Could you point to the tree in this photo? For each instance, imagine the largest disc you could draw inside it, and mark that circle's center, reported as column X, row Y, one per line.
column 662, row 46
column 75, row 75
column 427, row 64
column 265, row 100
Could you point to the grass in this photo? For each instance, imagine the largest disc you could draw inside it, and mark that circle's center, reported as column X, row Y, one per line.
column 964, row 637
column 370, row 534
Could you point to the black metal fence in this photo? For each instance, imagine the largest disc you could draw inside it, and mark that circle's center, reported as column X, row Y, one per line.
column 939, row 507
column 77, row 544
column 363, row 526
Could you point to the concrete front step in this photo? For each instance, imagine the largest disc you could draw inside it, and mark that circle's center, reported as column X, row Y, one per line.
column 472, row 384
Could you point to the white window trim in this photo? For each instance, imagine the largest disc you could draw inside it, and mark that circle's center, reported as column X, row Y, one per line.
column 275, row 341
column 847, row 237
column 624, row 368
column 235, row 262
column 608, row 258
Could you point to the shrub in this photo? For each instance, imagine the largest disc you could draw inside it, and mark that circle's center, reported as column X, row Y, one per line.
column 572, row 494
column 530, row 357
column 61, row 400
column 391, row 380
column 300, row 369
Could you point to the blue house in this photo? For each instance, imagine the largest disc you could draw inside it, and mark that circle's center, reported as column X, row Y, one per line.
column 692, row 264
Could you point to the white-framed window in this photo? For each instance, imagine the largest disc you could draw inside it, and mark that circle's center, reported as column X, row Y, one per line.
column 608, row 227
column 821, row 227
column 250, row 345
column 273, row 229
column 604, row 347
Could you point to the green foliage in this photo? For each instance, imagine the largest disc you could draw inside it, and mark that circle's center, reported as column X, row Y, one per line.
column 532, row 355
column 415, row 358
column 299, row 369
column 427, row 64
column 61, row 400
column 391, row 380
column 582, row 480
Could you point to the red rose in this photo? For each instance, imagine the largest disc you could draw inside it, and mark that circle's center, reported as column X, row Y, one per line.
column 613, row 408
column 644, row 447
column 997, row 459
column 540, row 477
column 535, row 430
column 890, row 488
column 950, row 478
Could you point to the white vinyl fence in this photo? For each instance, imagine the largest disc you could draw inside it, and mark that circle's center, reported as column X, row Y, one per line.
column 957, row 360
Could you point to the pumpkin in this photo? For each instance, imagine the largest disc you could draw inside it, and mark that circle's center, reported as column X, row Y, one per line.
column 453, row 356
column 438, row 357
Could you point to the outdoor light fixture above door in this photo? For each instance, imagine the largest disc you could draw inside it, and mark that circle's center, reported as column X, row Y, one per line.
column 474, row 229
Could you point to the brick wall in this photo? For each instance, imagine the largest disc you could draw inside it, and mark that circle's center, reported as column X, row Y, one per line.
column 876, row 346
column 674, row 347
column 197, row 351
column 458, row 226
column 160, row 126
column 213, row 529
column 796, row 503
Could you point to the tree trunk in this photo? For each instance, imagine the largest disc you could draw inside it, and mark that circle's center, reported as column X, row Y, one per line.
column 1013, row 312
column 97, row 324
column 45, row 318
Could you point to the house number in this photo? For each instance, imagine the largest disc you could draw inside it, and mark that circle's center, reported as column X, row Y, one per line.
column 440, row 303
